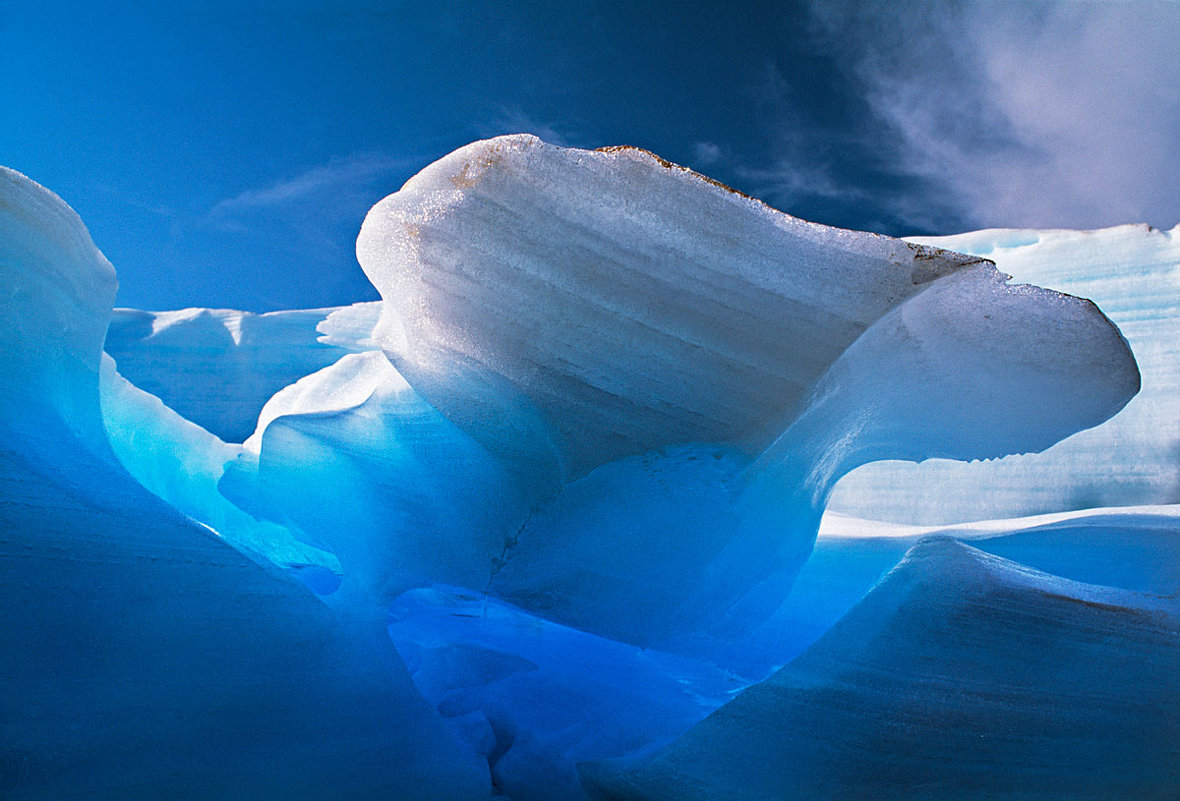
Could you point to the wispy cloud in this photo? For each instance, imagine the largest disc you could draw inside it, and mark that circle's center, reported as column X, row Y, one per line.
column 302, row 229
column 1051, row 114
column 512, row 119
column 336, row 184
column 706, row 153
column 788, row 180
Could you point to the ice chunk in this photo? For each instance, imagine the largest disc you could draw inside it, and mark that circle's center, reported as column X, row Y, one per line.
column 1133, row 273
column 962, row 675
column 630, row 303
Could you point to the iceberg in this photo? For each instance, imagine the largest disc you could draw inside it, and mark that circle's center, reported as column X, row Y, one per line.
column 566, row 334
column 649, row 340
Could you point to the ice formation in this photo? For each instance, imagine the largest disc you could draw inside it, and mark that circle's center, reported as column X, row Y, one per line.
column 535, row 698
column 1132, row 548
column 550, row 502
column 641, row 335
column 58, row 290
column 1133, row 273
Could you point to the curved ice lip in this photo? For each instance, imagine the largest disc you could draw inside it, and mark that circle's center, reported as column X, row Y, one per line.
column 1133, row 273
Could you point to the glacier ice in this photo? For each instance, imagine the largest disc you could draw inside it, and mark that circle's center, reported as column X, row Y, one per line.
column 567, row 475
column 1133, row 273
column 352, row 459
column 182, row 463
column 961, row 675
column 144, row 659
column 628, row 303
column 58, row 290
column 1133, row 548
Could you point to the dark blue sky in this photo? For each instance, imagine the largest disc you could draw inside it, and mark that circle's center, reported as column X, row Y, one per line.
column 224, row 154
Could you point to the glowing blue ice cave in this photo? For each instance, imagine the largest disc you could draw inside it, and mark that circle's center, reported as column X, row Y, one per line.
column 548, row 521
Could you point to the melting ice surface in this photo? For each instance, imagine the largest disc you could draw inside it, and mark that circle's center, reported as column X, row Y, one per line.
column 551, row 503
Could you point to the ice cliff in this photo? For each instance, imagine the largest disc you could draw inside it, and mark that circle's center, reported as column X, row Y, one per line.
column 551, row 501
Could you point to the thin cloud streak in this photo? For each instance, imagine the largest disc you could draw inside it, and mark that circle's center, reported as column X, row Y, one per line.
column 345, row 176
column 509, row 120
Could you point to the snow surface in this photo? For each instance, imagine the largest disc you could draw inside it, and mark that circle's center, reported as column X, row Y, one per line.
column 1133, row 273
